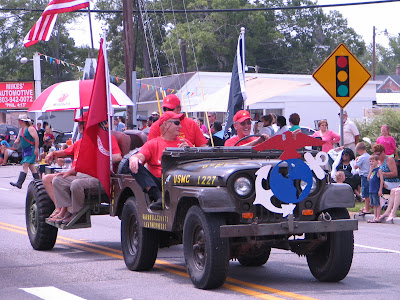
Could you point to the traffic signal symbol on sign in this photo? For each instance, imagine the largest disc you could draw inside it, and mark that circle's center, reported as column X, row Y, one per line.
column 341, row 75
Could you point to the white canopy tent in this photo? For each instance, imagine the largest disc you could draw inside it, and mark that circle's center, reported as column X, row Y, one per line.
column 257, row 89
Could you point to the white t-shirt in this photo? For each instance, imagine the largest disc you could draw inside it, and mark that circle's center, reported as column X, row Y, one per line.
column 350, row 131
column 267, row 130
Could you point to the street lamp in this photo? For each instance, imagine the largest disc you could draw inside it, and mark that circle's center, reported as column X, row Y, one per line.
column 37, row 73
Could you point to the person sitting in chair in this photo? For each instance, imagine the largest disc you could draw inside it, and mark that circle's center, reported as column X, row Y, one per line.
column 151, row 152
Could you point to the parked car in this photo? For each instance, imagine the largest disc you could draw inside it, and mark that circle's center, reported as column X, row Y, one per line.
column 61, row 137
column 10, row 132
column 307, row 130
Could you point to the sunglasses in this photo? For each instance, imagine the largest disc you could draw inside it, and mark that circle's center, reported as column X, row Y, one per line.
column 377, row 153
column 248, row 122
column 177, row 123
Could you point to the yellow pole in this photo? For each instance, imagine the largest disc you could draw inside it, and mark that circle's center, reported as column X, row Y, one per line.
column 158, row 102
column 184, row 105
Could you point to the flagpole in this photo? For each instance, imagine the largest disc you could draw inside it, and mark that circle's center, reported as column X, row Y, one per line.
column 91, row 32
column 242, row 32
column 109, row 107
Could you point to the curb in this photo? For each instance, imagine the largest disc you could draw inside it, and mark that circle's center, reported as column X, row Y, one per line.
column 366, row 218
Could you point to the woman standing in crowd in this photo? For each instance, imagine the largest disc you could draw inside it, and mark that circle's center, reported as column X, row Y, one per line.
column 388, row 142
column 328, row 136
column 281, row 122
column 48, row 135
column 267, row 128
column 391, row 181
column 30, row 149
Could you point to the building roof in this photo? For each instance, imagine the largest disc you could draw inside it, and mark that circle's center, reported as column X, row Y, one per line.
column 385, row 79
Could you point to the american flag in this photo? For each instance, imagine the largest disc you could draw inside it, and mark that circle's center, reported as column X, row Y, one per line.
column 42, row 29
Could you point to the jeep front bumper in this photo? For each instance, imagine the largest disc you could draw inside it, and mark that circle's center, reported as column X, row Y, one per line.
column 288, row 227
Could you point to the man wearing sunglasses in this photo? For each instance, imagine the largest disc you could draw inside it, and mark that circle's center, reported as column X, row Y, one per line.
column 151, row 152
column 242, row 125
column 189, row 130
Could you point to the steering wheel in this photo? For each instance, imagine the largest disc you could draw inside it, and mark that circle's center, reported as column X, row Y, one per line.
column 246, row 137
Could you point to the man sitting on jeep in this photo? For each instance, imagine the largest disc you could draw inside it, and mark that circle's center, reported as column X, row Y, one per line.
column 66, row 189
column 189, row 129
column 151, row 152
column 242, row 125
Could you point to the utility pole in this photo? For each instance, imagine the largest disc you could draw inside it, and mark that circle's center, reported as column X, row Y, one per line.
column 129, row 53
column 373, row 55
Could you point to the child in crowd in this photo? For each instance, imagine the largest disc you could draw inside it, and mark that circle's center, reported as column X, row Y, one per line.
column 375, row 178
column 363, row 166
column 340, row 177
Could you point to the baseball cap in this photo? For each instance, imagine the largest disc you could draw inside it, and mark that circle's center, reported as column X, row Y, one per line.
column 241, row 116
column 170, row 115
column 155, row 113
column 83, row 118
column 171, row 101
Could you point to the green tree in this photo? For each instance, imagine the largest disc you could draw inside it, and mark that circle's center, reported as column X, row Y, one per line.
column 282, row 41
column 371, row 128
column 14, row 25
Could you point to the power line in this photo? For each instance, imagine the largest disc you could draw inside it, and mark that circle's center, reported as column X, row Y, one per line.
column 180, row 11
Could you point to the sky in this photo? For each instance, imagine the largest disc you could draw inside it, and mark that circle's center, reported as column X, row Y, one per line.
column 360, row 17
column 363, row 17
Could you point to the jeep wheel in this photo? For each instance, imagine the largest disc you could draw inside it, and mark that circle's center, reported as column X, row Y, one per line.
column 38, row 207
column 255, row 257
column 139, row 245
column 206, row 253
column 331, row 261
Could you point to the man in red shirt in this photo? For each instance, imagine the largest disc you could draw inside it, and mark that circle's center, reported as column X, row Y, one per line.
column 242, row 124
column 67, row 189
column 190, row 130
column 150, row 153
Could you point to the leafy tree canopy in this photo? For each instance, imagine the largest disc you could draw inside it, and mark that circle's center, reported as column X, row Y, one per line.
column 14, row 25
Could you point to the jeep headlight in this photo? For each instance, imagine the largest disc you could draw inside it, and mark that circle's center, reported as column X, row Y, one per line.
column 314, row 186
column 242, row 186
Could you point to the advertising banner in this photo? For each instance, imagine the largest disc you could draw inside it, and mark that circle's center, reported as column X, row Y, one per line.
column 14, row 95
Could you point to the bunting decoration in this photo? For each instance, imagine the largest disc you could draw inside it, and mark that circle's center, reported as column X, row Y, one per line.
column 71, row 65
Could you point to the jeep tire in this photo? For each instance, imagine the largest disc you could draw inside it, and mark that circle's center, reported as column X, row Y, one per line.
column 206, row 253
column 39, row 206
column 139, row 245
column 255, row 256
column 331, row 261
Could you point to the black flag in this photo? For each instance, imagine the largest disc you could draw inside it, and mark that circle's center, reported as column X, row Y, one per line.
column 237, row 92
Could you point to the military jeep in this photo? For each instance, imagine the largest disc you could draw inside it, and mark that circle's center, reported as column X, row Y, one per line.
column 212, row 204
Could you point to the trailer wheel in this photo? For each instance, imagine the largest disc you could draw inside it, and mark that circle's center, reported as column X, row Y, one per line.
column 39, row 206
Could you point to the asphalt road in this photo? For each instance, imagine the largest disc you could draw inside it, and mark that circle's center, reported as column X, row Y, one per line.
column 88, row 264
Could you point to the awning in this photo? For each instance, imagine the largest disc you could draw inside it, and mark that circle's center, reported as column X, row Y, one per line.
column 257, row 90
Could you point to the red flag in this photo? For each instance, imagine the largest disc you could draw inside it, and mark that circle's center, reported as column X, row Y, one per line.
column 42, row 29
column 94, row 153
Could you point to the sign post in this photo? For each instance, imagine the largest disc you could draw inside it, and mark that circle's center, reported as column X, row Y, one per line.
column 342, row 76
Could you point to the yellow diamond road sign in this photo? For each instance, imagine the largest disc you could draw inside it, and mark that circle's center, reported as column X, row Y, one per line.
column 341, row 75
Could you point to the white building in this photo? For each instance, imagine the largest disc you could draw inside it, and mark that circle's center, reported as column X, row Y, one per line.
column 311, row 101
